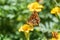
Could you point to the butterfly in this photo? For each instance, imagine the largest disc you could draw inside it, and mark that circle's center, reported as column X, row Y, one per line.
column 54, row 34
column 34, row 19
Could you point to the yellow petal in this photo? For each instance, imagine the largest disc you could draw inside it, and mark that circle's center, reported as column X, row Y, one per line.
column 26, row 28
column 35, row 7
column 38, row 10
column 55, row 10
column 53, row 39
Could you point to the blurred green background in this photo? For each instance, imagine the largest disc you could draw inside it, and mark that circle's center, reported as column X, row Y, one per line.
column 14, row 13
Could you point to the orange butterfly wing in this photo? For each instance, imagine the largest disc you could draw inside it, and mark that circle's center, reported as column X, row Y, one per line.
column 34, row 19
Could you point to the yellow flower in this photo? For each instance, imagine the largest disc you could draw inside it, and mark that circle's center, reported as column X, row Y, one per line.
column 26, row 28
column 55, row 10
column 53, row 39
column 35, row 7
column 58, row 37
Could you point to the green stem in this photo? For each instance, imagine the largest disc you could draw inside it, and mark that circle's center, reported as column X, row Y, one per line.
column 59, row 16
column 27, row 35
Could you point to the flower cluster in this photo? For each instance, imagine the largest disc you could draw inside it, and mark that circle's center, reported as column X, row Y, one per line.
column 34, row 19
